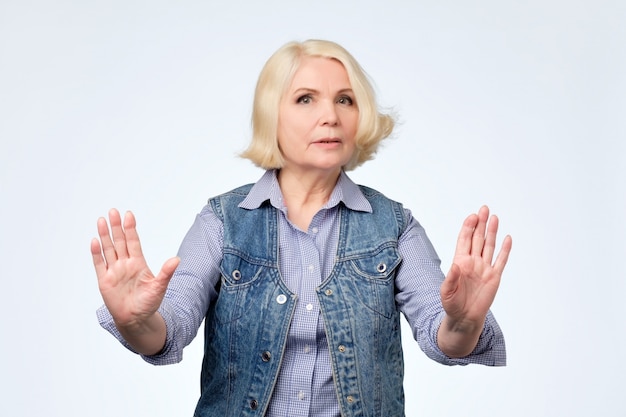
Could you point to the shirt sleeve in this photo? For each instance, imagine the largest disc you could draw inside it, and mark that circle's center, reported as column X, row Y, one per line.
column 190, row 292
column 418, row 279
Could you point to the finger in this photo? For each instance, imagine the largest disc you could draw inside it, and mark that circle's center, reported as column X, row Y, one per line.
column 478, row 239
column 490, row 239
column 98, row 259
column 503, row 256
column 464, row 241
column 450, row 283
column 108, row 250
column 119, row 237
column 449, row 290
column 133, row 243
column 167, row 270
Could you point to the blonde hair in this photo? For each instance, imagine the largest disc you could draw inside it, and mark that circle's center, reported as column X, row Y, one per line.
column 275, row 78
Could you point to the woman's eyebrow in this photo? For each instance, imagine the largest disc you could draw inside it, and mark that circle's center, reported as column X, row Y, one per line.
column 304, row 90
column 312, row 90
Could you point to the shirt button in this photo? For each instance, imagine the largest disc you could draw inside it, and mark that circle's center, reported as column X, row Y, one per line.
column 309, row 307
column 281, row 299
column 301, row 395
column 315, row 230
column 311, row 268
column 307, row 349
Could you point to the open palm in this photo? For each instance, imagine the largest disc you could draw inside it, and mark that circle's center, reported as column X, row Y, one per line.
column 472, row 282
column 131, row 292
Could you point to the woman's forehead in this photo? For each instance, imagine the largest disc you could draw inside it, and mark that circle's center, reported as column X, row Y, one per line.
column 314, row 72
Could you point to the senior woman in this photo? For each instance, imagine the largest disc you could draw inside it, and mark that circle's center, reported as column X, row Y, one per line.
column 301, row 277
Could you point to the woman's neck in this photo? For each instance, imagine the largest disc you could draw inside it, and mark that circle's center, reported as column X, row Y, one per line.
column 305, row 193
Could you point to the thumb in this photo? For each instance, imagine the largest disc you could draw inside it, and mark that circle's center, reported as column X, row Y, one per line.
column 451, row 282
column 167, row 270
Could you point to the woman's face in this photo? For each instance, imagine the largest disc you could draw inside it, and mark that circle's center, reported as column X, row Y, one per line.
column 318, row 117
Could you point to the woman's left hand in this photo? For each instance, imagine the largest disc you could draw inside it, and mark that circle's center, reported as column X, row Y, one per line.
column 472, row 282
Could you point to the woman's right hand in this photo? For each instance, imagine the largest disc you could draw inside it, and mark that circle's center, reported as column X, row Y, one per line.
column 131, row 292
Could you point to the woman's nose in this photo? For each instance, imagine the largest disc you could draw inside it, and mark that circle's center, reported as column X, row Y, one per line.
column 329, row 114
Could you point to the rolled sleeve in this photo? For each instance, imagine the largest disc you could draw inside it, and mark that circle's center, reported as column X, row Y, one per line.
column 171, row 352
column 490, row 349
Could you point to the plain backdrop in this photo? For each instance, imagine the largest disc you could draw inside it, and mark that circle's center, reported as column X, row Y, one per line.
column 144, row 105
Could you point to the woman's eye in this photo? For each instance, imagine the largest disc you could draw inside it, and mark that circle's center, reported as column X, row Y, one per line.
column 345, row 100
column 306, row 99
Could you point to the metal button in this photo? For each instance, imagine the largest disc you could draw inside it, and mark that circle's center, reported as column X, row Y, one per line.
column 341, row 348
column 266, row 356
column 328, row 292
column 381, row 267
column 236, row 275
column 350, row 399
column 281, row 299
column 254, row 404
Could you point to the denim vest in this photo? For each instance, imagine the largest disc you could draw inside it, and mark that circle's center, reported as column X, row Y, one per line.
column 246, row 328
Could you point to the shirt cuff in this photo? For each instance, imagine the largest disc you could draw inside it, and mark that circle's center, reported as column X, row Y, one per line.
column 490, row 349
column 170, row 354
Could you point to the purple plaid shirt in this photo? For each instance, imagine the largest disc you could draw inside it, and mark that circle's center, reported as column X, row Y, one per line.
column 305, row 384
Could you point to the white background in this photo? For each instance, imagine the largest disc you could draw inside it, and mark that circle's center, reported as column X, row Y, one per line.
column 143, row 105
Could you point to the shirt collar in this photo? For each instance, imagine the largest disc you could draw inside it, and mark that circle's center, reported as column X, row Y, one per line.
column 267, row 188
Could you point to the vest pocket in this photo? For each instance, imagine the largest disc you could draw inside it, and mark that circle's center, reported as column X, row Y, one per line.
column 372, row 275
column 238, row 277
